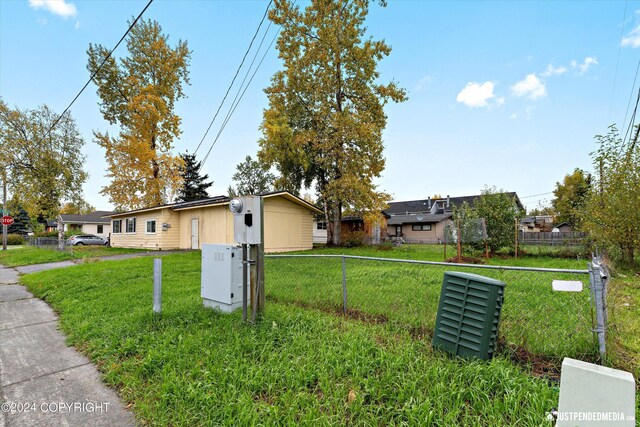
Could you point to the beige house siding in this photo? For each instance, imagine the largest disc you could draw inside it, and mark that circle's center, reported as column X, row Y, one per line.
column 215, row 225
column 287, row 226
column 435, row 235
column 170, row 238
column 143, row 240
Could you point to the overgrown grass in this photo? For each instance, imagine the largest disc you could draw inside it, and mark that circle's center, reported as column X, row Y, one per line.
column 193, row 366
column 624, row 320
column 32, row 255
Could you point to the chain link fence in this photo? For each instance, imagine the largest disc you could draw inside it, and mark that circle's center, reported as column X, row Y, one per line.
column 535, row 319
column 49, row 243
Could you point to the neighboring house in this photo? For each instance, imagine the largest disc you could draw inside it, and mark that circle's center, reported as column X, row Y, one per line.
column 51, row 225
column 319, row 231
column 288, row 222
column 563, row 227
column 423, row 221
column 536, row 224
column 93, row 223
column 373, row 233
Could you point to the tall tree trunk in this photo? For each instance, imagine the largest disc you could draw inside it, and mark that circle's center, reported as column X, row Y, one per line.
column 337, row 224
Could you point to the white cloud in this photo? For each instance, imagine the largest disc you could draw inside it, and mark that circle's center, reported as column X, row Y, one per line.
column 586, row 64
column 476, row 94
column 57, row 7
column 531, row 88
column 423, row 83
column 554, row 71
column 513, row 116
column 77, row 25
column 633, row 38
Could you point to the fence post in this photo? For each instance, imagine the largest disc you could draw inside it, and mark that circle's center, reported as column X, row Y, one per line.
column 344, row 285
column 157, row 285
column 597, row 292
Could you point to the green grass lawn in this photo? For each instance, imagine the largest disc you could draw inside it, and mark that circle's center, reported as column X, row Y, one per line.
column 32, row 255
column 193, row 366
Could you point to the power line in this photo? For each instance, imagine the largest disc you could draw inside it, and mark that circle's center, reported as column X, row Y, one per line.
column 96, row 71
column 615, row 75
column 626, row 113
column 235, row 103
column 536, row 195
column 236, row 75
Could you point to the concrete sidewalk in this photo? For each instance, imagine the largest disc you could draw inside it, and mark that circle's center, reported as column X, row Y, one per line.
column 43, row 382
column 26, row 269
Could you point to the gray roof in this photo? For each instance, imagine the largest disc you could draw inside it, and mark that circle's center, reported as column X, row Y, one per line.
column 422, row 205
column 92, row 218
column 413, row 219
column 202, row 202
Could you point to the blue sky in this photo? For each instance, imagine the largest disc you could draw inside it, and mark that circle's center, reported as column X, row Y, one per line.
column 503, row 93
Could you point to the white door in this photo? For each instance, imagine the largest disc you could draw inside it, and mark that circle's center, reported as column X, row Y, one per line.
column 195, row 241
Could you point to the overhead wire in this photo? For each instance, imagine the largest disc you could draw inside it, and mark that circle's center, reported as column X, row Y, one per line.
column 235, row 76
column 96, row 71
column 239, row 95
column 615, row 75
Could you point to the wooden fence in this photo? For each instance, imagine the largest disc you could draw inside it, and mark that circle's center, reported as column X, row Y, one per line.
column 571, row 238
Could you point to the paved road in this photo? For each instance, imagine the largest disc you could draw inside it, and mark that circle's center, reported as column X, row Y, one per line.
column 49, row 383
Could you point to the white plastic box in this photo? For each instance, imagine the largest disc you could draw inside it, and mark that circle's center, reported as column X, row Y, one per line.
column 221, row 282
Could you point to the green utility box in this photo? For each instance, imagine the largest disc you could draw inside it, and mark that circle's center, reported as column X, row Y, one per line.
column 468, row 315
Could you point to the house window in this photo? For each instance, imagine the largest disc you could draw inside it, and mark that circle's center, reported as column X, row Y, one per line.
column 321, row 225
column 130, row 224
column 117, row 226
column 151, row 226
column 100, row 228
column 421, row 227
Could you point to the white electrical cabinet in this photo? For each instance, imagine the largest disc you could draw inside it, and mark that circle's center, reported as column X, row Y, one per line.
column 221, row 282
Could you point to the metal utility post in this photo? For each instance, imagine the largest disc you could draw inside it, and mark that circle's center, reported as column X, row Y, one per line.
column 516, row 254
column 4, row 208
column 245, row 271
column 157, row 285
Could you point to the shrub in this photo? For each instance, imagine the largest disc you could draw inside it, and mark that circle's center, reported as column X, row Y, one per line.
column 351, row 239
column 15, row 239
column 46, row 234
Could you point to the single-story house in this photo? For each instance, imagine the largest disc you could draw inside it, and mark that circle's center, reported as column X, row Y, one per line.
column 51, row 225
column 373, row 233
column 288, row 222
column 536, row 223
column 94, row 223
column 563, row 227
column 423, row 221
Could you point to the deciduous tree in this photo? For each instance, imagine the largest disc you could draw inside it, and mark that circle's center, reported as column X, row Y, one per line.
column 139, row 94
column 325, row 118
column 45, row 168
column 194, row 184
column 252, row 177
column 499, row 211
column 613, row 208
column 571, row 197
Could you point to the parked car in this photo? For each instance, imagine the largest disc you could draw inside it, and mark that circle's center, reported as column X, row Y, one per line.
column 86, row 239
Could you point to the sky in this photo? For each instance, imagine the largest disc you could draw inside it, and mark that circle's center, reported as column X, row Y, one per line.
column 507, row 94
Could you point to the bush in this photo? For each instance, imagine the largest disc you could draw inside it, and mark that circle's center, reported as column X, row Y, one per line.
column 46, row 234
column 351, row 239
column 15, row 239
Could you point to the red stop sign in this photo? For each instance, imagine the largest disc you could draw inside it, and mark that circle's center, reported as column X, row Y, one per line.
column 7, row 220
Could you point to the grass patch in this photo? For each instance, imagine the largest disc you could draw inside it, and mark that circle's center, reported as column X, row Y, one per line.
column 623, row 304
column 32, row 255
column 193, row 366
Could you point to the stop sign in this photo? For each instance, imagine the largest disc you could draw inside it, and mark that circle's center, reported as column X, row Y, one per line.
column 7, row 220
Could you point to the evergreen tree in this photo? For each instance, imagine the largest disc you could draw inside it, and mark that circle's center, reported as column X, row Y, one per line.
column 194, row 185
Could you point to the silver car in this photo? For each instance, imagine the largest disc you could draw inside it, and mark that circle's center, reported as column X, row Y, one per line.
column 86, row 239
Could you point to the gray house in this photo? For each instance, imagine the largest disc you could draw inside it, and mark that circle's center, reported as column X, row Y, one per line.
column 423, row 221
